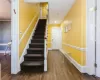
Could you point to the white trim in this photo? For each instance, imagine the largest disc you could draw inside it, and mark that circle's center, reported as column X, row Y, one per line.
column 45, row 56
column 75, row 47
column 98, row 40
column 45, row 49
column 15, row 37
column 27, row 29
column 82, row 69
column 27, row 45
column 49, row 48
column 3, row 51
column 90, row 36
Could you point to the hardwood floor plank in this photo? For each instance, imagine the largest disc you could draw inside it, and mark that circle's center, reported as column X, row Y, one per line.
column 59, row 68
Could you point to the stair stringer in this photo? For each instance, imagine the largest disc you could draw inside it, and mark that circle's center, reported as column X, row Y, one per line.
column 27, row 45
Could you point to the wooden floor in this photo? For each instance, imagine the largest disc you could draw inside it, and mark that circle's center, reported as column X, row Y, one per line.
column 59, row 68
column 5, row 62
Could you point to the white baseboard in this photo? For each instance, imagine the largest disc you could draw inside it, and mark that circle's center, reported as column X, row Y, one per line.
column 49, row 49
column 27, row 45
column 2, row 52
column 81, row 68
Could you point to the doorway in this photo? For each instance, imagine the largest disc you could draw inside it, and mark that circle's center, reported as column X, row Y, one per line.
column 5, row 37
column 56, row 38
column 44, row 10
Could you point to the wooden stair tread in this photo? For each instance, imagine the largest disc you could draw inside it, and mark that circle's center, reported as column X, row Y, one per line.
column 39, row 33
column 32, row 63
column 36, row 49
column 39, row 36
column 34, row 55
column 34, row 59
column 37, row 39
column 37, row 44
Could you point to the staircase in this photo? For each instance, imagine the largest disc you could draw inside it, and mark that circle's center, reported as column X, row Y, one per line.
column 34, row 59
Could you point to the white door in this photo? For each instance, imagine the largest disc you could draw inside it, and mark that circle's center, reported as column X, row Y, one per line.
column 90, row 48
column 98, row 39
column 56, row 38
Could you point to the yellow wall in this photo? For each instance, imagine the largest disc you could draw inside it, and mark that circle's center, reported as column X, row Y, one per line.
column 50, row 33
column 76, row 36
column 44, row 9
column 26, row 13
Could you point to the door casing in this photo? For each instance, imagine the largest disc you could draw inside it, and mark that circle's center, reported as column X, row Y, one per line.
column 98, row 39
column 15, row 67
column 90, row 36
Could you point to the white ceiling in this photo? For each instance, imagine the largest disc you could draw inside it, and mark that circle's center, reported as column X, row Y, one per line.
column 58, row 9
column 5, row 10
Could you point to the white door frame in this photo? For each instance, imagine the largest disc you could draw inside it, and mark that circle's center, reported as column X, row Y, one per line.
column 98, row 40
column 90, row 36
column 51, row 36
column 40, row 11
column 15, row 36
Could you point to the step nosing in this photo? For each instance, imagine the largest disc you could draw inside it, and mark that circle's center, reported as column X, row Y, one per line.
column 33, row 63
column 33, row 55
column 32, row 43
column 36, row 49
column 37, row 39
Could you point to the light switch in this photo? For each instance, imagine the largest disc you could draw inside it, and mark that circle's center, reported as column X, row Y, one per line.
column 93, row 9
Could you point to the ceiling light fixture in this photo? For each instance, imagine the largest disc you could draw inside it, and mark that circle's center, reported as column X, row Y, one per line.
column 55, row 21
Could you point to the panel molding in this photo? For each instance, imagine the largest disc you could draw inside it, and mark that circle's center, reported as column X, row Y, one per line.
column 82, row 69
column 75, row 47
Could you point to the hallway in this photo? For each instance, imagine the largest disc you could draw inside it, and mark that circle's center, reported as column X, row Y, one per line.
column 59, row 68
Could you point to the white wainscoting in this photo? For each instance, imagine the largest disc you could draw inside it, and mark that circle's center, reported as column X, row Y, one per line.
column 81, row 68
column 75, row 47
